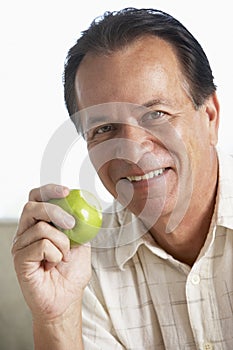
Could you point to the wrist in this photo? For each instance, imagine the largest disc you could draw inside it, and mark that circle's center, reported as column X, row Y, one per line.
column 59, row 333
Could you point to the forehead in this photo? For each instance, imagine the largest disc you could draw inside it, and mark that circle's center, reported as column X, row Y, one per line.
column 128, row 74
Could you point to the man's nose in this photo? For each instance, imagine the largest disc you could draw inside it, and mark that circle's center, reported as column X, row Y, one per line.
column 133, row 142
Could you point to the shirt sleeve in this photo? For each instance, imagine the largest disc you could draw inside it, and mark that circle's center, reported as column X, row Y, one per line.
column 98, row 330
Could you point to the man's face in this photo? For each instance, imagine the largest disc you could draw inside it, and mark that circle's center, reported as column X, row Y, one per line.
column 152, row 150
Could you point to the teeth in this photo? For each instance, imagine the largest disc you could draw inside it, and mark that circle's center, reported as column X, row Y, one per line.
column 146, row 176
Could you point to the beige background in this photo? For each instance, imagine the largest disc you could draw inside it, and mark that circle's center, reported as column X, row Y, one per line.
column 15, row 319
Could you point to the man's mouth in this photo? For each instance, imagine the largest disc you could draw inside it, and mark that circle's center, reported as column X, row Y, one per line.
column 149, row 175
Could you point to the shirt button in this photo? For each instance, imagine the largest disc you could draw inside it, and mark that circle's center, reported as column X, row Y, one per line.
column 195, row 279
column 208, row 346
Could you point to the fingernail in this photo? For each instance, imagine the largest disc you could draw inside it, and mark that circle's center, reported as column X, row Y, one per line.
column 69, row 221
column 61, row 190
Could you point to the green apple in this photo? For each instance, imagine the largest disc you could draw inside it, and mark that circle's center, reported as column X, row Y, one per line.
column 87, row 213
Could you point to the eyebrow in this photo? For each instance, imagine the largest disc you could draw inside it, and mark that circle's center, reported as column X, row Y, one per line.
column 93, row 122
column 155, row 102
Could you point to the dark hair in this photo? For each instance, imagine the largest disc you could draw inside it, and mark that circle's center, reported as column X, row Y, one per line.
column 117, row 29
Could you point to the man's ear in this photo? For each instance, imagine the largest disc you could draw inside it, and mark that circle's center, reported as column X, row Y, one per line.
column 213, row 111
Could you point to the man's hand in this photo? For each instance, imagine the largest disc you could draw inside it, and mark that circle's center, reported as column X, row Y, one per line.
column 52, row 275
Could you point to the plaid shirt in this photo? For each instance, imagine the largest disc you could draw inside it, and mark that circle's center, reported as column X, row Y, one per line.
column 140, row 297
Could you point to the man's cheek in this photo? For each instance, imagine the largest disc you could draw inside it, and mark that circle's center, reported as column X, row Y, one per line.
column 102, row 153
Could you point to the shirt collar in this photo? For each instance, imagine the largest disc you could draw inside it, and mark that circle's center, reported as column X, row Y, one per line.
column 133, row 233
column 129, row 238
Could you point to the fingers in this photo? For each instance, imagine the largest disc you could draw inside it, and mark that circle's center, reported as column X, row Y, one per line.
column 39, row 211
column 42, row 253
column 42, row 231
column 36, row 239
column 40, row 246
column 46, row 192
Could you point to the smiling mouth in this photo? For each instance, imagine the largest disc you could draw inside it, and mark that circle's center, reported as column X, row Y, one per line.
column 150, row 175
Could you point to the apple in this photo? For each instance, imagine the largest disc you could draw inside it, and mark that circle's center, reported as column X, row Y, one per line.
column 87, row 213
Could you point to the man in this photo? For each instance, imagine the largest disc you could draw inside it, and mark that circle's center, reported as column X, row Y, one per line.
column 139, row 88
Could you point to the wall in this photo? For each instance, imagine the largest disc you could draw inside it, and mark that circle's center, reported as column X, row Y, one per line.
column 15, row 319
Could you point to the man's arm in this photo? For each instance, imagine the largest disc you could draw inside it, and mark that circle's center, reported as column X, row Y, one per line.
column 60, row 334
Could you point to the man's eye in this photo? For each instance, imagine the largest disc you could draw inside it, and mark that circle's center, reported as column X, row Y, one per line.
column 153, row 115
column 103, row 129
column 100, row 132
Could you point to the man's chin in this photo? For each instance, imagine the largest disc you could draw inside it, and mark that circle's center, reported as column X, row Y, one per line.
column 147, row 209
